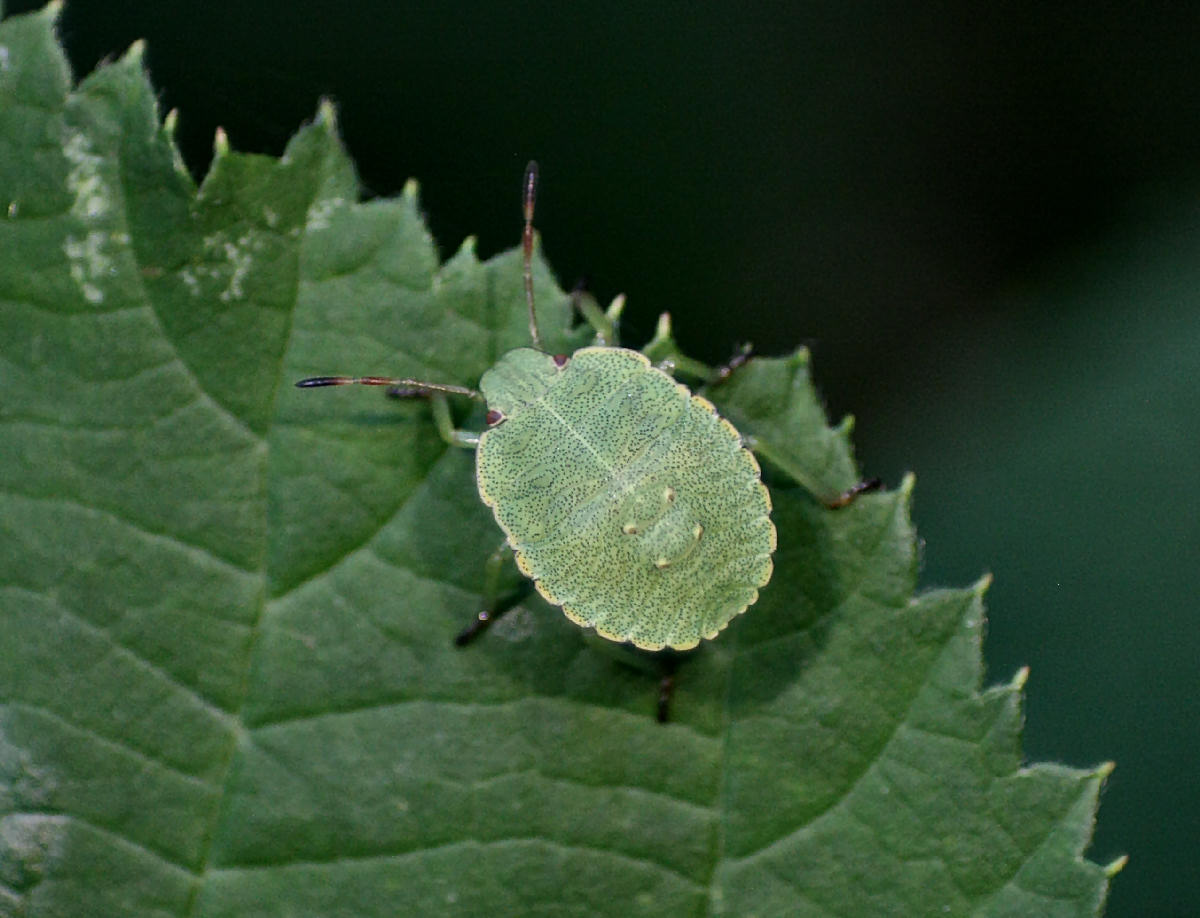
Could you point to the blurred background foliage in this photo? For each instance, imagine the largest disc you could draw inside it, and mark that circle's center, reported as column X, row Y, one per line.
column 985, row 221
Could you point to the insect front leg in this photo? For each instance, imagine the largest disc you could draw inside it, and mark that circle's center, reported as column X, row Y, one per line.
column 494, row 605
column 463, row 439
column 412, row 388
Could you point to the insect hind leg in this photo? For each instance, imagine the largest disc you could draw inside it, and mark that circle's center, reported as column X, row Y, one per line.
column 666, row 687
column 662, row 665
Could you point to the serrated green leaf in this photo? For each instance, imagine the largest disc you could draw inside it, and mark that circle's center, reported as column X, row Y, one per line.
column 227, row 685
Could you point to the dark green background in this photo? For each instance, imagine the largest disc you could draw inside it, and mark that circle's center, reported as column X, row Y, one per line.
column 985, row 222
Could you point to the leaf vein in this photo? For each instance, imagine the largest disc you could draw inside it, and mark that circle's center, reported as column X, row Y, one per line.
column 405, row 854
column 218, row 713
column 190, row 548
column 108, row 741
column 112, row 834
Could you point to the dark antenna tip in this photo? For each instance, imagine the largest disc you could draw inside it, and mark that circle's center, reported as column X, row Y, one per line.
column 530, row 186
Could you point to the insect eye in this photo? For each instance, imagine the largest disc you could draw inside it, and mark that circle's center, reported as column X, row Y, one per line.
column 493, row 417
column 560, row 360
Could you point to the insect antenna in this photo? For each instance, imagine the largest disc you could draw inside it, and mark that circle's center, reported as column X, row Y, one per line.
column 413, row 385
column 530, row 195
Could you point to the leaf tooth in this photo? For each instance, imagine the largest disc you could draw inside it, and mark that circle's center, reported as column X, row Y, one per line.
column 616, row 307
column 411, row 189
column 663, row 329
column 170, row 123
column 982, row 585
column 134, row 53
column 220, row 143
column 1020, row 677
column 327, row 113
column 1113, row 867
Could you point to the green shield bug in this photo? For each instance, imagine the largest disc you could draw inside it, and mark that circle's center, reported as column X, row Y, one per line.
column 626, row 500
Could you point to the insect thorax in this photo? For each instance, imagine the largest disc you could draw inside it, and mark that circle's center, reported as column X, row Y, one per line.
column 518, row 379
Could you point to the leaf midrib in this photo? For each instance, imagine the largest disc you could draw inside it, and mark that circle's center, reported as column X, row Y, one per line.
column 241, row 732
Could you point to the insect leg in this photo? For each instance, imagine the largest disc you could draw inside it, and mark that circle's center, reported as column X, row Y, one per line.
column 666, row 687
column 847, row 496
column 765, row 450
column 464, row 439
column 412, row 388
column 657, row 664
column 694, row 368
column 834, row 502
column 725, row 370
column 493, row 606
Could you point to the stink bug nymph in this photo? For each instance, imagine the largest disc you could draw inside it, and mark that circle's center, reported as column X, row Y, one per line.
column 625, row 499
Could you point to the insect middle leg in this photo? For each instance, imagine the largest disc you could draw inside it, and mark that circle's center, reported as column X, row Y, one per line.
column 494, row 603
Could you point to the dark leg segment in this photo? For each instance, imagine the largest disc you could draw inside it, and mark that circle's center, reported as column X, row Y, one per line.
column 655, row 664
column 843, row 499
column 726, row 370
column 666, row 687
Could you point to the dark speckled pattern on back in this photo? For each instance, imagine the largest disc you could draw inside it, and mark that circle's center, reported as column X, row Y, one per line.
column 628, row 500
